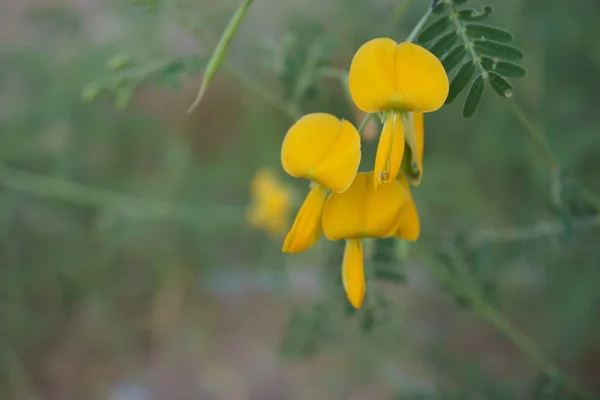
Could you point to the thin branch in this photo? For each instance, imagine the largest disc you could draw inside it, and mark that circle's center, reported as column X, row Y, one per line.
column 129, row 206
column 539, row 230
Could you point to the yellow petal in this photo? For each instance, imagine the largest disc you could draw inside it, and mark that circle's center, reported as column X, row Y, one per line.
column 371, row 76
column 324, row 149
column 421, row 81
column 405, row 77
column 390, row 151
column 362, row 211
column 410, row 224
column 353, row 274
column 338, row 169
column 306, row 229
column 418, row 148
column 412, row 165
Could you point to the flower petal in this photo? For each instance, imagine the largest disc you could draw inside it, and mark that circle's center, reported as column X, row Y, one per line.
column 362, row 211
column 371, row 76
column 410, row 224
column 412, row 164
column 421, row 81
column 323, row 149
column 306, row 229
column 338, row 168
column 353, row 273
column 390, row 151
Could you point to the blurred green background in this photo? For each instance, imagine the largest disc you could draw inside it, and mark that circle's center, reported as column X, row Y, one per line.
column 127, row 270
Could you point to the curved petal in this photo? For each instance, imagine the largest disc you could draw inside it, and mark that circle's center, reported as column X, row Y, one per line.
column 410, row 224
column 322, row 148
column 420, row 78
column 306, row 229
column 338, row 168
column 417, row 151
column 390, row 151
column 371, row 76
column 308, row 142
column 362, row 211
column 353, row 273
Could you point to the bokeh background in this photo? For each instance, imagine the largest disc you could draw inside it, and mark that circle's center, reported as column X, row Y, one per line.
column 128, row 271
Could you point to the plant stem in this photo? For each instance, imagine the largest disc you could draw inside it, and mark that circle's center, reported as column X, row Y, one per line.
column 290, row 110
column 536, row 137
column 461, row 282
column 134, row 207
column 365, row 121
column 413, row 34
column 463, row 36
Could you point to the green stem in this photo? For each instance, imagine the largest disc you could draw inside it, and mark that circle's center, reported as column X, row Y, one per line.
column 365, row 121
column 463, row 36
column 290, row 110
column 464, row 285
column 90, row 196
column 413, row 34
column 537, row 138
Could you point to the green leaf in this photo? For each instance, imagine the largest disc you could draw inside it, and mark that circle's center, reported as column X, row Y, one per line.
column 444, row 44
column 509, row 70
column 498, row 50
column 434, row 30
column 454, row 57
column 459, row 2
column 487, row 32
column 500, row 85
column 473, row 96
column 460, row 80
column 218, row 54
column 474, row 15
column 440, row 7
column 487, row 63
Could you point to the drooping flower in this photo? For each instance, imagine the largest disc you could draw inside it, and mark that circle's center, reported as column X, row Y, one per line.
column 271, row 203
column 325, row 150
column 362, row 212
column 396, row 79
column 410, row 223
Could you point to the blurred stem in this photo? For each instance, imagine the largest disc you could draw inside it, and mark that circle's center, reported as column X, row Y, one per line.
column 290, row 110
column 313, row 55
column 535, row 135
column 539, row 230
column 463, row 284
column 62, row 190
column 364, row 122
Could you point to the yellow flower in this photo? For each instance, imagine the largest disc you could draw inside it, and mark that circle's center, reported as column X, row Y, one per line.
column 325, row 150
column 271, row 203
column 396, row 79
column 412, row 165
column 362, row 212
column 410, row 224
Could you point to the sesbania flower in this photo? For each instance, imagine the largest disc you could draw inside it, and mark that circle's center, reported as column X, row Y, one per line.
column 271, row 203
column 395, row 79
column 325, row 150
column 358, row 213
column 410, row 224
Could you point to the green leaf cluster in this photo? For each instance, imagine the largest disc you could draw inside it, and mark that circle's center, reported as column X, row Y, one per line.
column 474, row 54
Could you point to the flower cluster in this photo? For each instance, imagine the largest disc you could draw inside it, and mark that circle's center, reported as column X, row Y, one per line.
column 399, row 82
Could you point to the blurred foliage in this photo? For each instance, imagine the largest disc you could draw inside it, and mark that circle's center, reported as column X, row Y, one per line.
column 103, row 211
